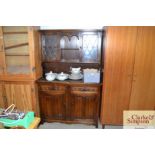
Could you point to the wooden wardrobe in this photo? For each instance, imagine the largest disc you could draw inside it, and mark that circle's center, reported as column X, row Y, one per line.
column 129, row 72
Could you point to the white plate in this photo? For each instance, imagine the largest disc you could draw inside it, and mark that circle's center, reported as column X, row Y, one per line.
column 75, row 78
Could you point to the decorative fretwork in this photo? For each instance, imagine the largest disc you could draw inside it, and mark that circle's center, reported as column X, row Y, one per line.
column 69, row 42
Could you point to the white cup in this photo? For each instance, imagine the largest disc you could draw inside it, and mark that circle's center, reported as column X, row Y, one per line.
column 75, row 70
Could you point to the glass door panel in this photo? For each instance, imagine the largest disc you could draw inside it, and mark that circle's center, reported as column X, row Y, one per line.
column 16, row 50
column 91, row 47
column 1, row 62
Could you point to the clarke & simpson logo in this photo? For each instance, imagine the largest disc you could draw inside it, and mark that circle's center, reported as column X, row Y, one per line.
column 139, row 119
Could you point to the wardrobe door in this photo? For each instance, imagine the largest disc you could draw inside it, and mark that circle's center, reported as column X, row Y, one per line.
column 117, row 80
column 2, row 54
column 2, row 102
column 143, row 89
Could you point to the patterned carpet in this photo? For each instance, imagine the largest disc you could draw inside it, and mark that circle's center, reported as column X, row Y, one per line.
column 74, row 126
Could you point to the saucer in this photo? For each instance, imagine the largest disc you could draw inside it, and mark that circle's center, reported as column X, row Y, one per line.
column 72, row 72
column 75, row 77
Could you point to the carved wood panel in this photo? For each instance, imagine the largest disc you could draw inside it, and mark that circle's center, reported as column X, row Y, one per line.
column 69, row 102
column 52, row 105
column 83, row 106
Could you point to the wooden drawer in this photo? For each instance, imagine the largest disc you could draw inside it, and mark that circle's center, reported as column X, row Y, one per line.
column 84, row 89
column 52, row 87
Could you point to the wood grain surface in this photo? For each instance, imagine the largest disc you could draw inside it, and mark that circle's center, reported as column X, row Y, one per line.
column 119, row 61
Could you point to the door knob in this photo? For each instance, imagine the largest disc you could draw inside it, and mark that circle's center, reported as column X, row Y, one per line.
column 130, row 75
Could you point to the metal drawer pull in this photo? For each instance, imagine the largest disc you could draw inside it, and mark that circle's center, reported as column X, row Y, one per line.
column 84, row 89
column 53, row 88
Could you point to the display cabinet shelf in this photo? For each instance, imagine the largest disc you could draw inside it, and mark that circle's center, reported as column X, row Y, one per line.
column 17, row 55
column 24, row 32
column 18, row 45
column 18, row 69
column 70, row 48
column 15, row 29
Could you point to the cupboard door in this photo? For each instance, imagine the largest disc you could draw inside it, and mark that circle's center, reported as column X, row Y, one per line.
column 50, row 45
column 2, row 60
column 119, row 62
column 143, row 89
column 83, row 105
column 34, row 52
column 52, row 105
column 2, row 104
column 16, row 49
column 1, row 31
column 19, row 94
column 1, row 39
column 91, row 47
column 1, row 52
column 21, row 53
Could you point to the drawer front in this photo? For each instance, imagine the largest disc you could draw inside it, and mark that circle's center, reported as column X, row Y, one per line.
column 52, row 88
column 84, row 89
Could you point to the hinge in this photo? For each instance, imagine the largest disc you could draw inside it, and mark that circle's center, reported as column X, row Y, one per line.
column 32, row 89
column 2, row 68
column 33, row 69
column 1, row 48
column 5, row 99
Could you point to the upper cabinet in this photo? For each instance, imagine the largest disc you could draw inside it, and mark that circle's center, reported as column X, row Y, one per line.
column 73, row 46
column 20, row 52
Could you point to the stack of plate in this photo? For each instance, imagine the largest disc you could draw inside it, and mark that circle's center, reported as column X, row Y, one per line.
column 76, row 76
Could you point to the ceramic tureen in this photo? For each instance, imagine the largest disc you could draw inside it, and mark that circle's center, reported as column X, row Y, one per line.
column 50, row 76
column 62, row 76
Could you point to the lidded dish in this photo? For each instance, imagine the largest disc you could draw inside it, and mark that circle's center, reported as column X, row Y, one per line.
column 62, row 76
column 50, row 76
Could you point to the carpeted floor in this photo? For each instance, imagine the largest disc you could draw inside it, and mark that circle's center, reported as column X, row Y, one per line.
column 74, row 126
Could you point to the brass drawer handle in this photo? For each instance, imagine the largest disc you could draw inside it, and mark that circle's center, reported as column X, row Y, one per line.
column 84, row 89
column 53, row 88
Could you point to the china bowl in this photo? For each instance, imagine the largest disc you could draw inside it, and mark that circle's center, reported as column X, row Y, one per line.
column 50, row 76
column 62, row 76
